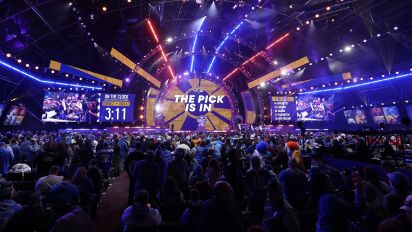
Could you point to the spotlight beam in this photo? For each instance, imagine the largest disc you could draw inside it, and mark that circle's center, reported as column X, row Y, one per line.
column 54, row 65
column 358, row 85
column 194, row 43
column 38, row 79
column 221, row 44
column 256, row 55
column 126, row 61
column 278, row 72
column 161, row 48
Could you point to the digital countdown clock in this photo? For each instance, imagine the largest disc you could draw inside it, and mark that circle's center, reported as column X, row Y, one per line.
column 117, row 108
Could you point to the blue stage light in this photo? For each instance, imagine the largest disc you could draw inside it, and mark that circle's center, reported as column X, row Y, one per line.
column 194, row 43
column 221, row 44
column 358, row 85
column 45, row 81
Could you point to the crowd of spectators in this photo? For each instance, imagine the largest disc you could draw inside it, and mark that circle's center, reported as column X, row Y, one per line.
column 196, row 182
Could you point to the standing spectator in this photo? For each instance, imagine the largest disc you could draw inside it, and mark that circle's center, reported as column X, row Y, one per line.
column 86, row 153
column 64, row 199
column 191, row 216
column 256, row 180
column 401, row 188
column 134, row 156
column 34, row 217
column 218, row 214
column 213, row 172
column 279, row 214
column 46, row 183
column 171, row 201
column 179, row 169
column 87, row 192
column 124, row 149
column 104, row 156
column 6, row 157
column 165, row 153
column 147, row 176
column 116, row 157
column 140, row 215
column 381, row 188
column 8, row 207
column 294, row 185
column 333, row 212
column 16, row 150
column 95, row 174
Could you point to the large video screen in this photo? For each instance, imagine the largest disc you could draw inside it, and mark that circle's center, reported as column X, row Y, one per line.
column 70, row 107
column 389, row 115
column 2, row 108
column 357, row 116
column 15, row 115
column 282, row 108
column 117, row 108
column 392, row 115
column 315, row 108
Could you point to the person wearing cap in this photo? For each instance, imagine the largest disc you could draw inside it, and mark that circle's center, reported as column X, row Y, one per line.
column 406, row 216
column 6, row 157
column 64, row 199
column 401, row 188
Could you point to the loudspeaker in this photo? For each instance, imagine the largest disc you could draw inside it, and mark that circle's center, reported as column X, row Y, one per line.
column 406, row 121
column 382, row 125
column 299, row 124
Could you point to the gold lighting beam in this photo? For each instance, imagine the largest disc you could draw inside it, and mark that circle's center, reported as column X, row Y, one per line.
column 83, row 73
column 133, row 66
column 277, row 72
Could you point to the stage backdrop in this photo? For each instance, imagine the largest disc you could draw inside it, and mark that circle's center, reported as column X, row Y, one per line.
column 193, row 104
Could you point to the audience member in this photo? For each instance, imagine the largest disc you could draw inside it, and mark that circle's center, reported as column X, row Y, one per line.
column 46, row 183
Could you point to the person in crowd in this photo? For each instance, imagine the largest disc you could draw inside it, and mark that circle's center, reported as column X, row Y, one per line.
column 319, row 167
column 6, row 158
column 256, row 180
column 165, row 153
column 104, row 156
column 140, row 215
column 171, row 201
column 147, row 176
column 191, row 216
column 333, row 212
column 294, row 185
column 8, row 207
column 218, row 214
column 116, row 158
column 95, row 174
column 33, row 217
column 213, row 172
column 279, row 215
column 15, row 147
column 400, row 189
column 131, row 160
column 178, row 168
column 124, row 150
column 232, row 173
column 201, row 153
column 64, row 199
column 371, row 178
column 88, row 196
column 86, row 153
column 46, row 183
